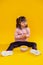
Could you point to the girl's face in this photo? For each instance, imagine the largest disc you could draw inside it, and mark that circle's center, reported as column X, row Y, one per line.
column 23, row 24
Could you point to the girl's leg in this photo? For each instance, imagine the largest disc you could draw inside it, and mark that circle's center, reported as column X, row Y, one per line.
column 17, row 44
column 13, row 45
column 34, row 47
column 20, row 43
column 10, row 48
column 32, row 44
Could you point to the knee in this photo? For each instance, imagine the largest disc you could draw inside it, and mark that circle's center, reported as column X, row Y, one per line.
column 35, row 44
column 12, row 44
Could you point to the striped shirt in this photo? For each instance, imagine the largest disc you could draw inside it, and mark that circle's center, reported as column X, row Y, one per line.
column 20, row 32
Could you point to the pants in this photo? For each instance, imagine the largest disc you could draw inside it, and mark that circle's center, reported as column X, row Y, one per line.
column 20, row 43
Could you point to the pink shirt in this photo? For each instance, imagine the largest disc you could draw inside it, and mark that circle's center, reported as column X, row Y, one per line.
column 20, row 32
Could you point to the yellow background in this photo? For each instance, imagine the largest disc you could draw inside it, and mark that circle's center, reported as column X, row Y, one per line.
column 9, row 11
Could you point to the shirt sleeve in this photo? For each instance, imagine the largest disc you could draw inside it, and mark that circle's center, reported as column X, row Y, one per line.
column 17, row 36
column 28, row 32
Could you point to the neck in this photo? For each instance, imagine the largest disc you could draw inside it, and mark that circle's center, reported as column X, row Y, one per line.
column 22, row 27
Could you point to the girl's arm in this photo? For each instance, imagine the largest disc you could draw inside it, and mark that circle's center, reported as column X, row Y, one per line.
column 18, row 36
column 28, row 32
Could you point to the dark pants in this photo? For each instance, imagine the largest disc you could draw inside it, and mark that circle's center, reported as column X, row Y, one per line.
column 20, row 43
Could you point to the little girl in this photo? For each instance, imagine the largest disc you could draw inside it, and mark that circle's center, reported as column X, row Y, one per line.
column 21, row 34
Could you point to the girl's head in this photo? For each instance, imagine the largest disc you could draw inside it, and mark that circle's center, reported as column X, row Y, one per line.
column 21, row 22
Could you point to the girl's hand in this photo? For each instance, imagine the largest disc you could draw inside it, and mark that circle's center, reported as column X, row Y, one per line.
column 24, row 35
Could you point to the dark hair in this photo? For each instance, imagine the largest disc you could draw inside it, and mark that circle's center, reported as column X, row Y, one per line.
column 19, row 20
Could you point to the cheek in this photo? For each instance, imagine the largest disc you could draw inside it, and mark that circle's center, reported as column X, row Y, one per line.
column 23, row 24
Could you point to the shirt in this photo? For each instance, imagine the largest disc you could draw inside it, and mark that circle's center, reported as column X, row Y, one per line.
column 20, row 32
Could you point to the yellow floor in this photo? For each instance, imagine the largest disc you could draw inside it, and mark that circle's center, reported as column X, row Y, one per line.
column 21, row 58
